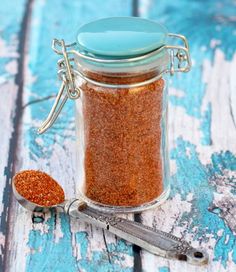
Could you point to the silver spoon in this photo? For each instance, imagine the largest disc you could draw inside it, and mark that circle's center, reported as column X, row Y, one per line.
column 155, row 241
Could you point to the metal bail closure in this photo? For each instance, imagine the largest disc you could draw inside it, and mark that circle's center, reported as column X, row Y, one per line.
column 67, row 89
column 179, row 62
column 179, row 52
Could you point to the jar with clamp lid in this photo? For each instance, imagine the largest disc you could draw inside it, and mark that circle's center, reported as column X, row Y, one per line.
column 117, row 73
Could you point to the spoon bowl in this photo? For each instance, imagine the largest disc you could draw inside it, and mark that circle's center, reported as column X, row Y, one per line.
column 29, row 205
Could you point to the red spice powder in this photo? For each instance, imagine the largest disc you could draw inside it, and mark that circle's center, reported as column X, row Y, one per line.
column 123, row 164
column 38, row 187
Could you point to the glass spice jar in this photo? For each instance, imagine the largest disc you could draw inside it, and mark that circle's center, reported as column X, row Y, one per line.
column 117, row 71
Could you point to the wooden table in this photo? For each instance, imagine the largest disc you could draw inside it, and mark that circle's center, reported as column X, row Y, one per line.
column 202, row 132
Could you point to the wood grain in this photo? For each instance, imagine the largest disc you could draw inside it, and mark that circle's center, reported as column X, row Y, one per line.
column 11, row 38
column 54, row 242
column 201, row 135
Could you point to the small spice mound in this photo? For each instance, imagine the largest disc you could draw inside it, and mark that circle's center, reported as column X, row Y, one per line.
column 39, row 188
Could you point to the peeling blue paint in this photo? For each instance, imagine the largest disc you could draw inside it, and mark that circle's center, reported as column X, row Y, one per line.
column 200, row 23
column 47, row 24
column 7, row 17
column 100, row 261
column 221, row 161
column 191, row 173
column 194, row 93
column 43, row 61
column 193, row 177
column 9, row 30
column 206, row 126
column 164, row 269
column 47, row 255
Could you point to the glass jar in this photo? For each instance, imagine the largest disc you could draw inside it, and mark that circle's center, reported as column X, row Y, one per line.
column 118, row 69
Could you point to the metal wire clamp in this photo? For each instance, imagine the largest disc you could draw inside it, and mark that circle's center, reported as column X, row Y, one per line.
column 67, row 73
column 67, row 89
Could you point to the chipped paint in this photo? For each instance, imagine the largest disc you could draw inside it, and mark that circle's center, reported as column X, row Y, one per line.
column 189, row 168
column 164, row 269
column 49, row 253
column 54, row 151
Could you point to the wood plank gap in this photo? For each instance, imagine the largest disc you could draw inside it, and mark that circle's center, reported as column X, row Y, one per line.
column 137, row 217
column 135, row 9
column 105, row 242
column 137, row 249
column 231, row 111
column 39, row 100
column 10, row 168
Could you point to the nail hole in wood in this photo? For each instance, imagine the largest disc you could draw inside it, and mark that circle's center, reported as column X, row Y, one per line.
column 36, row 219
column 198, row 255
column 182, row 257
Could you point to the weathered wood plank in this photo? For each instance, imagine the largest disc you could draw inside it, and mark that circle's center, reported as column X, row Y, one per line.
column 54, row 242
column 11, row 35
column 202, row 135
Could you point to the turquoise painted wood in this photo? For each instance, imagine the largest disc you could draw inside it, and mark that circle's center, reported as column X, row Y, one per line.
column 202, row 127
column 54, row 242
column 202, row 133
column 11, row 35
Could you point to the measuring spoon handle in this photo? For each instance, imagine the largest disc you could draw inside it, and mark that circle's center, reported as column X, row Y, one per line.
column 155, row 241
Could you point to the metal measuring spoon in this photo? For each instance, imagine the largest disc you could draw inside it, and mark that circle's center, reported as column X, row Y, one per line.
column 155, row 241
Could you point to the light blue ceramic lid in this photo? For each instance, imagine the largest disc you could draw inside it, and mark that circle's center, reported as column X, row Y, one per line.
column 121, row 37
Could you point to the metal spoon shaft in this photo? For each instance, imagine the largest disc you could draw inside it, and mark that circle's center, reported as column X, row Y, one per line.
column 155, row 241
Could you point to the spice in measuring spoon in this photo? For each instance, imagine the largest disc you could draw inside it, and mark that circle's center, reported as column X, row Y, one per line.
column 39, row 188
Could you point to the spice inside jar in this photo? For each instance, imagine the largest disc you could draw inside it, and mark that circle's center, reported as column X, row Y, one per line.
column 122, row 140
